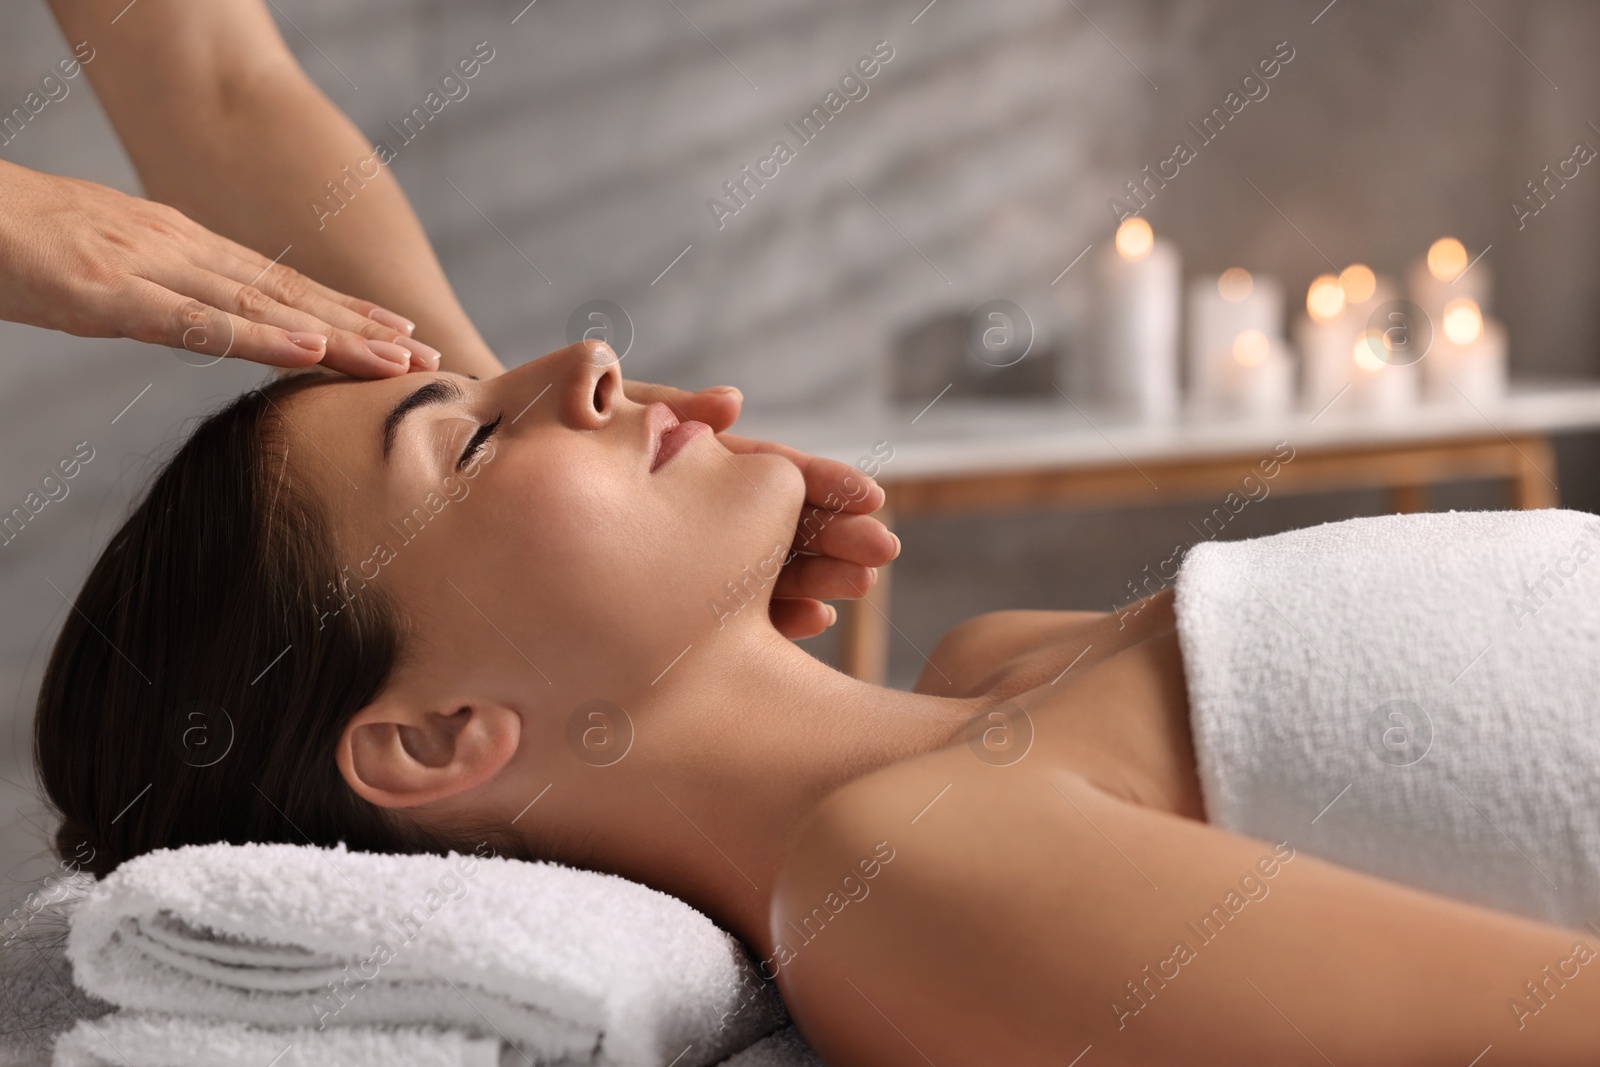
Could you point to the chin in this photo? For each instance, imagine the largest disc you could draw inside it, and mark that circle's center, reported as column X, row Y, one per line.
column 746, row 536
column 781, row 492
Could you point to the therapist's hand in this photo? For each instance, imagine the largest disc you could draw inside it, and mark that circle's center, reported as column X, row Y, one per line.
column 86, row 259
column 838, row 541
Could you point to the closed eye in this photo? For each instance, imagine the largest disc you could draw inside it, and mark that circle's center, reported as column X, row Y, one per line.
column 479, row 438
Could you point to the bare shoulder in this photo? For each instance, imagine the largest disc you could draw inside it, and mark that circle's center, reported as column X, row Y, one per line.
column 968, row 656
column 885, row 914
column 944, row 908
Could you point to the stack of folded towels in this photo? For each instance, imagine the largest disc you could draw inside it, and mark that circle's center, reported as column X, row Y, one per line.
column 292, row 956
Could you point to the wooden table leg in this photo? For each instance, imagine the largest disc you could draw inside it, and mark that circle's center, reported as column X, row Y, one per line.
column 864, row 628
column 1534, row 484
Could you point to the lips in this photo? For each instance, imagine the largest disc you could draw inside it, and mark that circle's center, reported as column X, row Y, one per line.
column 667, row 434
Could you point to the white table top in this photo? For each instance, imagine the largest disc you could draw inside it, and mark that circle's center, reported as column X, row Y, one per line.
column 973, row 436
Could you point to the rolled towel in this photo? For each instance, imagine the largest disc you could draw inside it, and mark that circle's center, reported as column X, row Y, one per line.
column 562, row 962
column 133, row 1039
column 1414, row 696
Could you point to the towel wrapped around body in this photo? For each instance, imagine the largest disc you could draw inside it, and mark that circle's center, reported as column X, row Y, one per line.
column 1413, row 696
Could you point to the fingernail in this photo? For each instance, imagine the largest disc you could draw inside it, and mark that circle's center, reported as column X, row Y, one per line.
column 833, row 614
column 311, row 342
column 391, row 352
column 391, row 320
column 424, row 355
column 873, row 571
column 725, row 389
column 896, row 543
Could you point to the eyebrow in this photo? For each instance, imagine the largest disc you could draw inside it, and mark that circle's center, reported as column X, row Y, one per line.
column 438, row 391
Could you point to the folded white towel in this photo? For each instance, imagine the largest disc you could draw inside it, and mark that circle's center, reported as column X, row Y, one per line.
column 131, row 1039
column 134, row 1039
column 563, row 962
column 1414, row 696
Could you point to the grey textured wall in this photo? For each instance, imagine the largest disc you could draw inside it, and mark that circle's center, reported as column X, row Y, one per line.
column 977, row 165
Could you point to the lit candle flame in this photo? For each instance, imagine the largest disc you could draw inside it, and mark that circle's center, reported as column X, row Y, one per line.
column 1358, row 282
column 1372, row 351
column 1134, row 238
column 1447, row 257
column 1250, row 349
column 1235, row 284
column 1325, row 299
column 1463, row 322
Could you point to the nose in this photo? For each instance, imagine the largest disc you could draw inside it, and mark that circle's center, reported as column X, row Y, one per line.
column 590, row 385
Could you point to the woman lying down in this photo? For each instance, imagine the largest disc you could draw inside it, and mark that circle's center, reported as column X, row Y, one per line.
column 1331, row 799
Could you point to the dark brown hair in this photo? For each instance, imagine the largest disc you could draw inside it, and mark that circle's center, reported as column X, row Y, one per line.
column 203, row 676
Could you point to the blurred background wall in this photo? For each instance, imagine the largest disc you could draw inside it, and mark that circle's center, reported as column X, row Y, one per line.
column 977, row 166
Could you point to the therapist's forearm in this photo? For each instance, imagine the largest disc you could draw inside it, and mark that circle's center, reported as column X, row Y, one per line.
column 255, row 182
column 221, row 122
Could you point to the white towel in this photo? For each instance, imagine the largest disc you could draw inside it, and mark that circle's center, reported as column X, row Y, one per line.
column 131, row 1039
column 566, row 963
column 1414, row 696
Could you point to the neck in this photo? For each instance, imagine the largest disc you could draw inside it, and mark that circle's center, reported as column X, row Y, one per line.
column 737, row 747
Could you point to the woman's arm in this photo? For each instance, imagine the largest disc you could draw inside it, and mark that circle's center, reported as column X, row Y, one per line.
column 1027, row 917
column 221, row 122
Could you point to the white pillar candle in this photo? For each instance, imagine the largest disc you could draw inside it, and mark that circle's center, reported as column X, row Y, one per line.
column 1257, row 378
column 1376, row 385
column 1365, row 295
column 1324, row 337
column 1139, row 282
column 1467, row 363
column 1441, row 276
column 1221, row 307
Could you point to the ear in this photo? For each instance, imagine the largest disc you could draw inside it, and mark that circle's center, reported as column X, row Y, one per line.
column 397, row 754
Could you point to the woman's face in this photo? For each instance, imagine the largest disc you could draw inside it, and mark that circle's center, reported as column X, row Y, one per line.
column 548, row 563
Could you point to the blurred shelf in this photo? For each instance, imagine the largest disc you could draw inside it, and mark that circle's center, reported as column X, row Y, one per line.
column 967, row 436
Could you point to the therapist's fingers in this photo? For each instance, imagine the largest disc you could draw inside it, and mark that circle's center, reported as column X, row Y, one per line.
column 292, row 289
column 824, row 578
column 290, row 286
column 344, row 351
column 295, row 289
column 157, row 315
column 853, row 538
column 343, row 319
column 717, row 407
column 360, row 317
column 797, row 618
column 830, row 484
